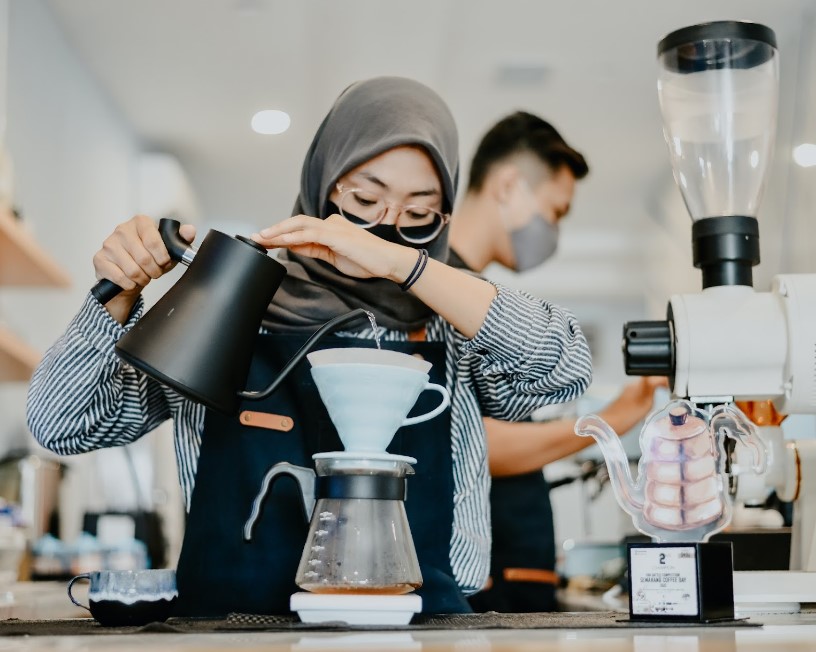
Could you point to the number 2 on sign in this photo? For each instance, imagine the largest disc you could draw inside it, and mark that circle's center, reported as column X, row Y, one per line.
column 662, row 558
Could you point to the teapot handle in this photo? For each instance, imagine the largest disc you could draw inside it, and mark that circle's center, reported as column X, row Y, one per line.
column 306, row 482
column 178, row 248
column 324, row 330
column 743, row 431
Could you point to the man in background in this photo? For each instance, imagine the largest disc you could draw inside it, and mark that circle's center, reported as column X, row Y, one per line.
column 522, row 182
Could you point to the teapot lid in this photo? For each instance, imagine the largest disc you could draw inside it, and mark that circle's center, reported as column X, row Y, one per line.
column 678, row 420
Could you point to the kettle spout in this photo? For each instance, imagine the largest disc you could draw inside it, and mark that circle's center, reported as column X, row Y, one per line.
column 627, row 491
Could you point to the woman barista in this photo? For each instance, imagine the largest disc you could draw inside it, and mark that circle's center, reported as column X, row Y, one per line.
column 383, row 160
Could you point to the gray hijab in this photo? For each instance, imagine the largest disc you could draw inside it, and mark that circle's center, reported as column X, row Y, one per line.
column 369, row 118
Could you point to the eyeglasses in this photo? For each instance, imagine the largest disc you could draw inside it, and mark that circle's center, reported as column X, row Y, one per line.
column 415, row 224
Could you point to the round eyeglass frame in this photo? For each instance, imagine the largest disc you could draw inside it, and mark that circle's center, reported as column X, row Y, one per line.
column 357, row 221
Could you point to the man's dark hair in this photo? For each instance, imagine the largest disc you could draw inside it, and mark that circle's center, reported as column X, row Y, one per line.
column 520, row 133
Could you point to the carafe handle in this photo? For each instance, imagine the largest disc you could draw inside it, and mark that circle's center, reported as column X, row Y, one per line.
column 306, row 482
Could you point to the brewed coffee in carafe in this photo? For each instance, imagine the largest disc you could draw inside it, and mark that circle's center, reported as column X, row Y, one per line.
column 360, row 545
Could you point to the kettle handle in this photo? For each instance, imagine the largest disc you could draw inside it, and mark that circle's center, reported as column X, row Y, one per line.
column 178, row 248
column 324, row 330
column 306, row 482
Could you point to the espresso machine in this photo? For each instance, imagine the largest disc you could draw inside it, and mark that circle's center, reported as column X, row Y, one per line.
column 718, row 89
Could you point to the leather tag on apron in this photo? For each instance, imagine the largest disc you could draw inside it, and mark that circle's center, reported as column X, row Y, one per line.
column 419, row 335
column 278, row 422
column 538, row 575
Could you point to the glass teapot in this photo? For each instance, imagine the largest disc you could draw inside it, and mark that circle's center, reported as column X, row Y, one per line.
column 359, row 539
column 681, row 492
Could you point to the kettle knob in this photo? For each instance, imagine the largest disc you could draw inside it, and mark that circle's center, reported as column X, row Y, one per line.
column 252, row 243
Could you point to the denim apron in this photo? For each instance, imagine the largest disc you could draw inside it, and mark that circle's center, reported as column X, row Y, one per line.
column 218, row 572
column 522, row 560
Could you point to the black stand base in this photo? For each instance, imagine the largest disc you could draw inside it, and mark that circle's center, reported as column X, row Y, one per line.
column 681, row 582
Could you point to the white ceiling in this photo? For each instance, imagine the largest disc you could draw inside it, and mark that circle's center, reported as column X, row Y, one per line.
column 189, row 74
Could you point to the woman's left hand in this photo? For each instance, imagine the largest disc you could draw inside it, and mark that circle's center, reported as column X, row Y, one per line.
column 460, row 298
column 352, row 250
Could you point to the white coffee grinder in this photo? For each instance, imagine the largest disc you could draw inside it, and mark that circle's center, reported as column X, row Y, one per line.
column 359, row 564
column 718, row 90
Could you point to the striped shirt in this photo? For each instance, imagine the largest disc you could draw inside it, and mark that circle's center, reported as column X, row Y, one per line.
column 528, row 353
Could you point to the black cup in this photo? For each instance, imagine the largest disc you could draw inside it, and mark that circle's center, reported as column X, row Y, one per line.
column 129, row 598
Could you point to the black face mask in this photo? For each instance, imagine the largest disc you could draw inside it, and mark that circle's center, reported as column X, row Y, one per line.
column 387, row 232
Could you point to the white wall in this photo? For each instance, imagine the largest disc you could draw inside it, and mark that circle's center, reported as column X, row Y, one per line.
column 4, row 14
column 76, row 166
column 74, row 161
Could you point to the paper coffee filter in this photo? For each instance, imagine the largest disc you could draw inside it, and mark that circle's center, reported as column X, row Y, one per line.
column 361, row 355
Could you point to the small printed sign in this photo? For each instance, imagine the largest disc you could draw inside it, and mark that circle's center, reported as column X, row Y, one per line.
column 664, row 581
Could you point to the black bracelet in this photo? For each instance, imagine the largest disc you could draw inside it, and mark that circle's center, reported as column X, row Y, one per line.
column 407, row 282
column 413, row 277
column 425, row 257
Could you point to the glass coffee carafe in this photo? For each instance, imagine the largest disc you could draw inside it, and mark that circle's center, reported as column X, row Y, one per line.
column 362, row 545
column 359, row 540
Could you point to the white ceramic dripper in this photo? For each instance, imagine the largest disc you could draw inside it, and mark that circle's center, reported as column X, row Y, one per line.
column 369, row 392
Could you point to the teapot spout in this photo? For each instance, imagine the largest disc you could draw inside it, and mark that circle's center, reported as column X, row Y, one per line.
column 627, row 491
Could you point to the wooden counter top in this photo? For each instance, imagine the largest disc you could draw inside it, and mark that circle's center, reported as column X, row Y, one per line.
column 782, row 638
column 780, row 633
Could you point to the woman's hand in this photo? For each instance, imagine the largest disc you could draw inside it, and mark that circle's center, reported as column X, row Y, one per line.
column 633, row 404
column 515, row 448
column 352, row 250
column 460, row 298
column 131, row 257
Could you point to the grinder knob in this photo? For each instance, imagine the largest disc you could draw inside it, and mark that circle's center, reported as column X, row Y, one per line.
column 648, row 348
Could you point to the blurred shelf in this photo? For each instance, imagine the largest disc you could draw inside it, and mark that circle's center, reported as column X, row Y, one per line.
column 22, row 261
column 17, row 359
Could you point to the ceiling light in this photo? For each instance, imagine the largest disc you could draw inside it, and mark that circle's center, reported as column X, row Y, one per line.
column 270, row 121
column 805, row 155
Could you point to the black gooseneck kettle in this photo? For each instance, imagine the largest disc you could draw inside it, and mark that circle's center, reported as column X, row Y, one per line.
column 199, row 337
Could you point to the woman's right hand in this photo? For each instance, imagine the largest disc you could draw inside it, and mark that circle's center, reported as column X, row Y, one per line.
column 131, row 257
column 633, row 404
